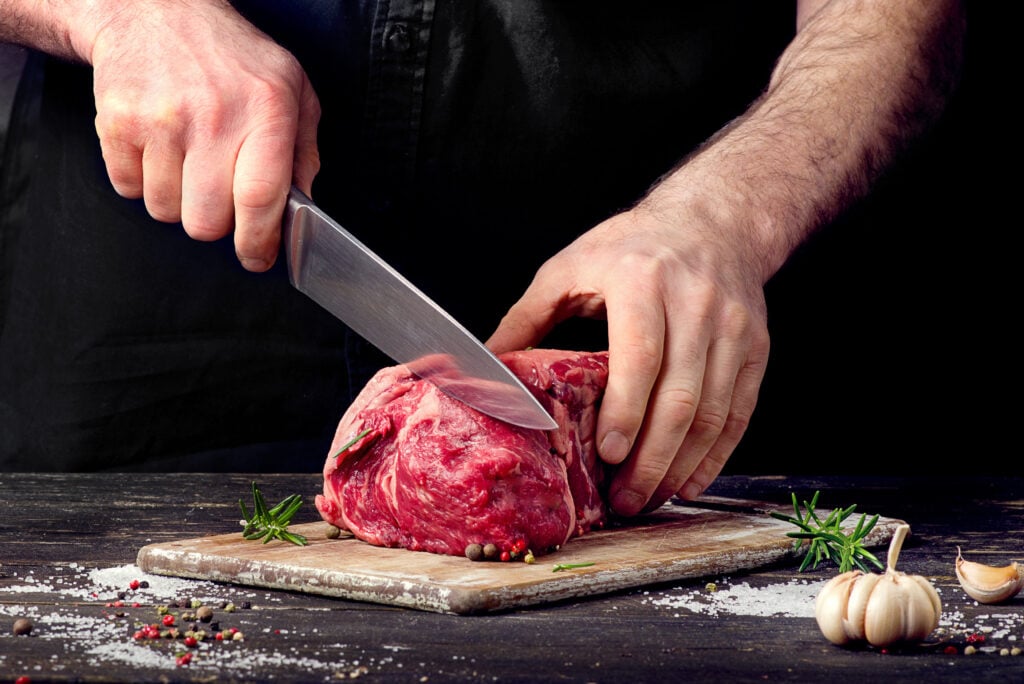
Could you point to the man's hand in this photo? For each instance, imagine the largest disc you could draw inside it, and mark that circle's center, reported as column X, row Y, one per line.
column 680, row 277
column 203, row 116
column 688, row 345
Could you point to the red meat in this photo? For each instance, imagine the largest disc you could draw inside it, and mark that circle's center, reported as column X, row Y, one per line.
column 432, row 474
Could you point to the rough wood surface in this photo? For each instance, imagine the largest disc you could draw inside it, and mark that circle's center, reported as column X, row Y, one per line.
column 674, row 543
column 60, row 533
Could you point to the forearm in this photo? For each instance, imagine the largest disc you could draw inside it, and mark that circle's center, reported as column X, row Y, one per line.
column 67, row 28
column 860, row 80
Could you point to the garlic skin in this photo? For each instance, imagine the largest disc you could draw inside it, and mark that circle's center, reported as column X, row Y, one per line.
column 881, row 609
column 988, row 584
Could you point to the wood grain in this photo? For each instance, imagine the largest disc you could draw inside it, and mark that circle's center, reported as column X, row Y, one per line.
column 673, row 543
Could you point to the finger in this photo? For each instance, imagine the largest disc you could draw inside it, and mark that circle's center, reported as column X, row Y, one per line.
column 673, row 405
column 207, row 206
column 162, row 162
column 263, row 172
column 748, row 380
column 122, row 155
column 307, row 154
column 123, row 160
column 636, row 335
column 709, row 421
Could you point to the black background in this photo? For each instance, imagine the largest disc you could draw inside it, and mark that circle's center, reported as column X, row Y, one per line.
column 894, row 331
column 894, row 343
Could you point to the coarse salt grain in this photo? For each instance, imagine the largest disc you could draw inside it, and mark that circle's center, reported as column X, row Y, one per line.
column 790, row 599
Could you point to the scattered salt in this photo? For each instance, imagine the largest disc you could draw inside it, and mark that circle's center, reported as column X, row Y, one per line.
column 790, row 599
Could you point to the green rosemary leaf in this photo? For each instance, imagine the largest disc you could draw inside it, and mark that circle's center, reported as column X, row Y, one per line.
column 826, row 538
column 269, row 524
column 352, row 441
column 559, row 567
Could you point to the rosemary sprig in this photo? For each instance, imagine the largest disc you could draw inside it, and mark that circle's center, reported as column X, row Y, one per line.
column 826, row 538
column 267, row 524
column 559, row 567
column 352, row 441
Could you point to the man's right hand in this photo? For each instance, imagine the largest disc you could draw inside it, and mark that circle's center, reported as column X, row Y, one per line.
column 202, row 115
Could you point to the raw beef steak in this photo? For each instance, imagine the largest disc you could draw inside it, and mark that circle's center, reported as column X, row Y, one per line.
column 432, row 474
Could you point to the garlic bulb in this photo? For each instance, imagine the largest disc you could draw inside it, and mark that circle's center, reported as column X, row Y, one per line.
column 986, row 584
column 880, row 609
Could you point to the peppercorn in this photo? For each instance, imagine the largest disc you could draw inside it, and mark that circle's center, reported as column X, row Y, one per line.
column 332, row 532
column 22, row 627
column 204, row 613
column 474, row 552
column 491, row 551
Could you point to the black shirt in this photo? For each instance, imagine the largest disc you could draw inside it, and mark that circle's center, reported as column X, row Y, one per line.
column 465, row 141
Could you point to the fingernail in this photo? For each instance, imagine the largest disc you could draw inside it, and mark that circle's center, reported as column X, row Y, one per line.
column 614, row 447
column 254, row 263
column 627, row 502
column 691, row 491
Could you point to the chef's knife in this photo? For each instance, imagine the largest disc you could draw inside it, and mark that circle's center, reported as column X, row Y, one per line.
column 337, row 271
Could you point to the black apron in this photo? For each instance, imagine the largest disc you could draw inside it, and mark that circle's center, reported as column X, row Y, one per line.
column 465, row 141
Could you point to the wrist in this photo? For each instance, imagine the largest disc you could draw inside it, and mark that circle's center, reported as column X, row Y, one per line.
column 707, row 196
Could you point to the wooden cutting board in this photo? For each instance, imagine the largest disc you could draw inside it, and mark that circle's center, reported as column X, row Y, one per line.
column 676, row 542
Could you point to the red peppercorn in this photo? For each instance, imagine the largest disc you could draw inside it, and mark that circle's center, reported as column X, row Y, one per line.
column 975, row 638
column 220, row 636
column 950, row 650
column 23, row 679
column 138, row 635
column 168, row 620
column 136, row 604
column 191, row 642
column 134, row 584
column 506, row 556
column 184, row 659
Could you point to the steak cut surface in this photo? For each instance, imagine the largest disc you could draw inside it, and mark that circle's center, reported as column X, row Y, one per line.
column 426, row 472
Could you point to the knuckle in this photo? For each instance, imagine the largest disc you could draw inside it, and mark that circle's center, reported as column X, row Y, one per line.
column 256, row 194
column 680, row 404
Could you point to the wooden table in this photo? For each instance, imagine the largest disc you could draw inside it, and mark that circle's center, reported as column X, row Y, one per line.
column 65, row 538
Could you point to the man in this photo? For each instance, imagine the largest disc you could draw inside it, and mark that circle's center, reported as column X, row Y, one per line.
column 465, row 141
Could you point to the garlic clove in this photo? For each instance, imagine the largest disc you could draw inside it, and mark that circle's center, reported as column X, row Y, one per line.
column 933, row 596
column 855, row 622
column 988, row 584
column 884, row 618
column 923, row 607
column 830, row 608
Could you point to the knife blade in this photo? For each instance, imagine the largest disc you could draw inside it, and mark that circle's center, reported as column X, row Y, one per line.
column 337, row 271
